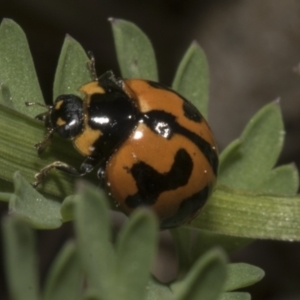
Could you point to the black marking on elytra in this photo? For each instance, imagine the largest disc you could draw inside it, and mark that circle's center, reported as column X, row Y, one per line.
column 153, row 117
column 203, row 145
column 188, row 207
column 150, row 183
column 190, row 111
column 115, row 115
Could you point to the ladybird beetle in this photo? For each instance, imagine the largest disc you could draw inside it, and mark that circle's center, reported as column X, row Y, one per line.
column 151, row 146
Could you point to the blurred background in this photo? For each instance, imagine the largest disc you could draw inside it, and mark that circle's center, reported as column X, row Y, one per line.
column 253, row 48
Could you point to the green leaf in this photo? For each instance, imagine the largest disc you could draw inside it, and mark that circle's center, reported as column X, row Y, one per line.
column 72, row 71
column 183, row 239
column 5, row 95
column 94, row 241
column 136, row 247
column 235, row 296
column 191, row 243
column 206, row 240
column 64, row 278
column 40, row 212
column 17, row 133
column 240, row 275
column 92, row 297
column 20, row 259
column 5, row 187
column 246, row 214
column 192, row 78
column 209, row 271
column 229, row 156
column 5, row 197
column 252, row 157
column 134, row 51
column 67, row 207
column 283, row 180
column 17, row 72
column 158, row 291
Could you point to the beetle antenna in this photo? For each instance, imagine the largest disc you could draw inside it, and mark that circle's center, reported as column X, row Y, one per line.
column 91, row 66
column 37, row 103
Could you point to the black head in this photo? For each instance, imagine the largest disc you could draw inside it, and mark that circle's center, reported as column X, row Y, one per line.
column 65, row 117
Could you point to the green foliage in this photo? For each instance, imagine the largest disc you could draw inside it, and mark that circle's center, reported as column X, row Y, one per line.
column 259, row 200
column 134, row 51
column 209, row 271
column 64, row 83
column 33, row 206
column 256, row 151
column 128, row 263
column 18, row 78
column 191, row 79
column 65, row 276
column 241, row 275
column 113, row 271
column 20, row 259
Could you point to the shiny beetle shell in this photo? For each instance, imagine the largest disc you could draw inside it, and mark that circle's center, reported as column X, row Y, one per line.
column 151, row 146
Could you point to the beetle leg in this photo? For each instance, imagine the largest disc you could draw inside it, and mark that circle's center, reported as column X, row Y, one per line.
column 101, row 176
column 87, row 166
column 41, row 146
column 40, row 177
